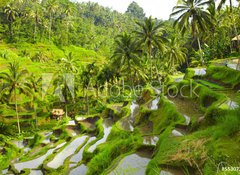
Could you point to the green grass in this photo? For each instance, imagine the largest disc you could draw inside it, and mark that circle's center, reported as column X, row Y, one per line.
column 211, row 85
column 118, row 143
column 24, row 52
column 203, row 149
column 224, row 75
column 205, row 97
column 165, row 116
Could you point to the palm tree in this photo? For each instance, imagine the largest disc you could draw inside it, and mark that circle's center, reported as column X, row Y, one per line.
column 175, row 54
column 222, row 2
column 126, row 53
column 191, row 15
column 86, row 77
column 68, row 12
column 65, row 89
column 14, row 83
column 11, row 16
column 35, row 83
column 150, row 34
column 64, row 83
column 51, row 8
column 68, row 64
column 35, row 12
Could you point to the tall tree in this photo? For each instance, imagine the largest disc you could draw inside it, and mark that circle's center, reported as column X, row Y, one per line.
column 126, row 53
column 150, row 34
column 175, row 54
column 135, row 11
column 68, row 13
column 222, row 2
column 14, row 83
column 191, row 14
column 11, row 13
column 52, row 6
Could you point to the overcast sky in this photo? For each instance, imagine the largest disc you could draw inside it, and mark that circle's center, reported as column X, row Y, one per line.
column 160, row 9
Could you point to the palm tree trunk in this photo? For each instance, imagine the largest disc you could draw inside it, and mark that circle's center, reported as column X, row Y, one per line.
column 67, row 30
column 10, row 30
column 35, row 113
column 230, row 1
column 87, row 101
column 238, row 64
column 35, row 29
column 50, row 27
column 16, row 108
column 130, row 73
column 66, row 109
column 200, row 49
column 149, row 57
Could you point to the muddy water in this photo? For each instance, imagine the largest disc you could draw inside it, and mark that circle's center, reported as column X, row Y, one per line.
column 35, row 163
column 232, row 103
column 72, row 130
column 134, row 164
column 127, row 123
column 81, row 170
column 66, row 152
column 107, row 125
column 78, row 157
column 187, row 108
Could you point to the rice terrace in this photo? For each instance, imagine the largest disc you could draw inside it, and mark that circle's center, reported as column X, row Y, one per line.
column 108, row 87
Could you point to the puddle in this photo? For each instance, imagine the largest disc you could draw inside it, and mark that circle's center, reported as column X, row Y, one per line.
column 150, row 140
column 35, row 163
column 171, row 171
column 26, row 150
column 232, row 66
column 188, row 108
column 72, row 130
column 134, row 164
column 71, row 123
column 177, row 133
column 78, row 157
column 4, row 171
column 79, row 119
column 19, row 143
column 88, row 125
column 232, row 105
column 154, row 104
column 187, row 119
column 81, row 170
column 127, row 123
column 36, row 172
column 107, row 125
column 200, row 71
column 66, row 152
column 47, row 136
